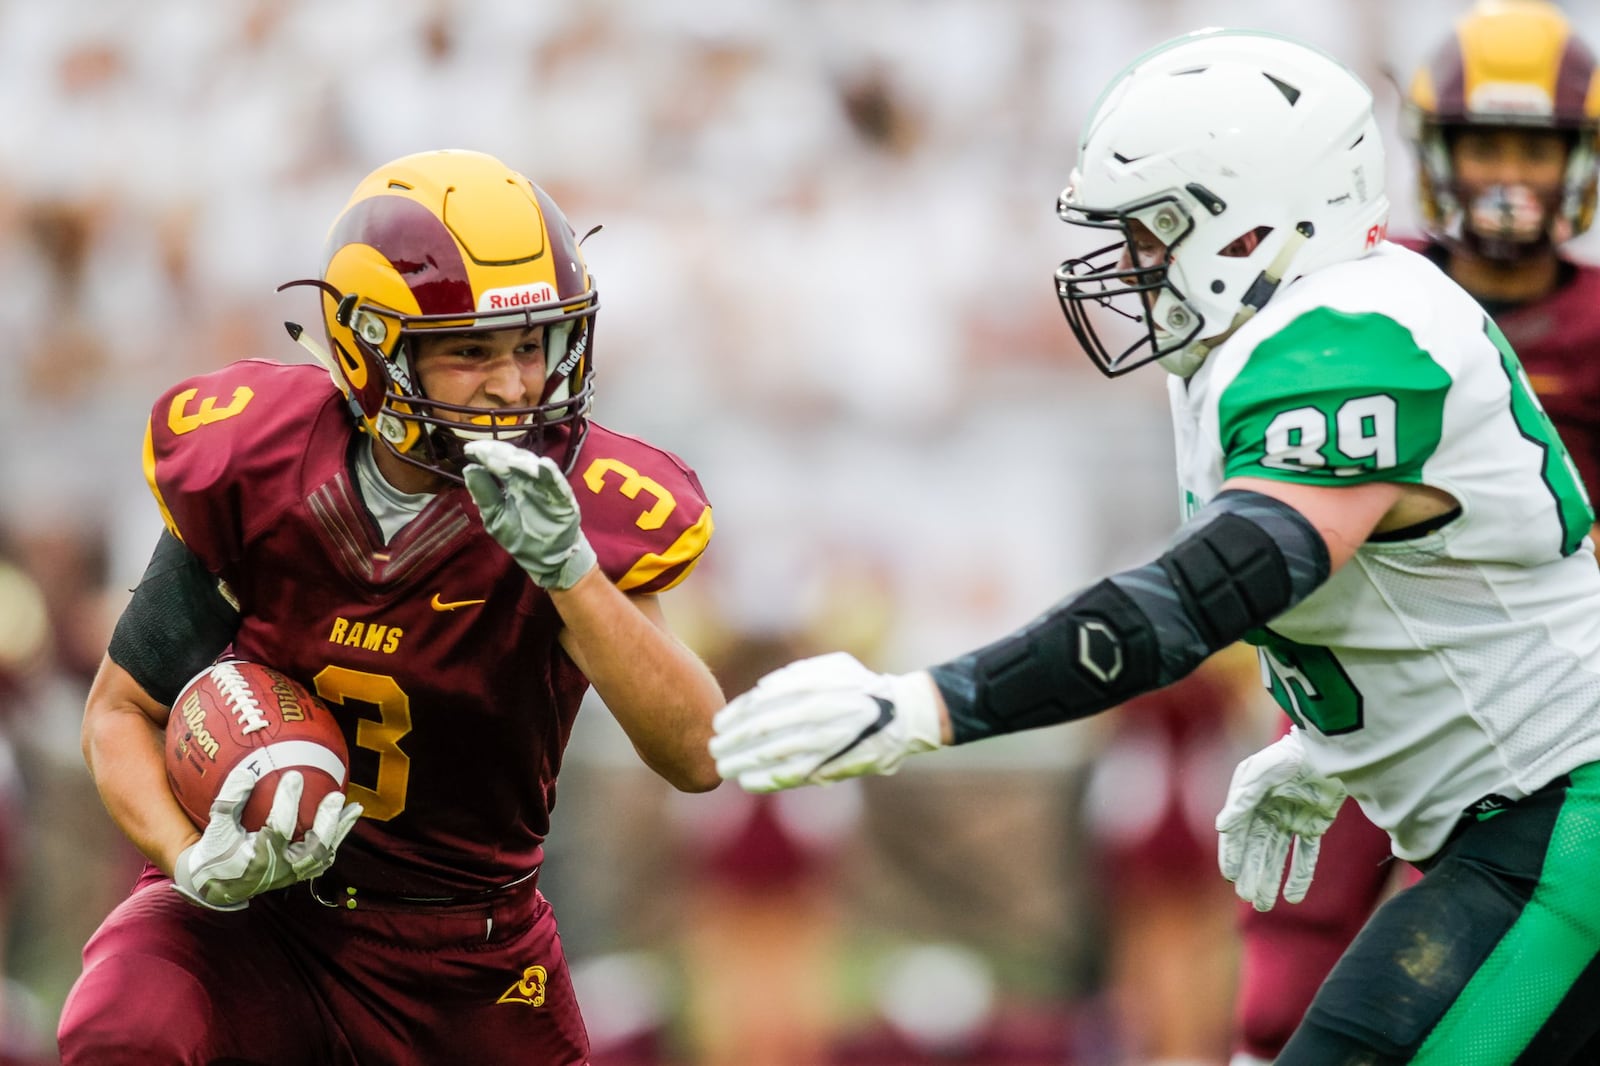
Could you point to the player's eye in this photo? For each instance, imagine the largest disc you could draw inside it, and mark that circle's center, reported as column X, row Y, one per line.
column 1545, row 150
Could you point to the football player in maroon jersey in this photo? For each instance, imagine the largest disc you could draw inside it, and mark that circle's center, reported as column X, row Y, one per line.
column 442, row 545
column 1504, row 118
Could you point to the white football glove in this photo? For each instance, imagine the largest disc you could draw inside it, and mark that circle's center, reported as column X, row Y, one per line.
column 229, row 864
column 1276, row 805
column 824, row 719
column 529, row 508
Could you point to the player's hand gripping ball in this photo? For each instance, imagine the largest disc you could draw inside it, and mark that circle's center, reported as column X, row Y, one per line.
column 238, row 713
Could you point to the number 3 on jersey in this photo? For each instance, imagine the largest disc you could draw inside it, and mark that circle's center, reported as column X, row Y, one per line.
column 385, row 795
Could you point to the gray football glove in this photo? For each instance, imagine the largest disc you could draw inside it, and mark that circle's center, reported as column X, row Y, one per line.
column 824, row 719
column 229, row 864
column 528, row 507
column 1276, row 812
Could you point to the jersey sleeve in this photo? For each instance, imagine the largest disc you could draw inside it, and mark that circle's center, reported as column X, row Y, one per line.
column 643, row 510
column 215, row 446
column 1334, row 398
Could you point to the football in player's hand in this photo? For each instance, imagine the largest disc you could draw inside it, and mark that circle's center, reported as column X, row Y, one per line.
column 242, row 712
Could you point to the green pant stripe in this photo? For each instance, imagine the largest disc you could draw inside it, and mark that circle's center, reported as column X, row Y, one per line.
column 1529, row 972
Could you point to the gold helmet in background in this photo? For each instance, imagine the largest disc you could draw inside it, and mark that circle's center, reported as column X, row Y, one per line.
column 1508, row 64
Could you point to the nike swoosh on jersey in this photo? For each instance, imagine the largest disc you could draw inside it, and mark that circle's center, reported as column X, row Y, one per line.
column 878, row 725
column 439, row 605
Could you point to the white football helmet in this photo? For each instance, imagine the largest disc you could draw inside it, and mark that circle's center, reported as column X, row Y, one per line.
column 1252, row 158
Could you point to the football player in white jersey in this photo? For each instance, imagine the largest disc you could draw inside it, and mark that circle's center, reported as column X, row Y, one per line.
column 1375, row 499
column 1503, row 115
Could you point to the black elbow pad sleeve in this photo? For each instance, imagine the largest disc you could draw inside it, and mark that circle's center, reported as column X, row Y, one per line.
column 177, row 623
column 1084, row 655
column 1242, row 561
column 1229, row 578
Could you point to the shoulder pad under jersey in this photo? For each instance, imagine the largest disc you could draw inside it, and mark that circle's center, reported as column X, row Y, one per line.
column 223, row 451
column 643, row 511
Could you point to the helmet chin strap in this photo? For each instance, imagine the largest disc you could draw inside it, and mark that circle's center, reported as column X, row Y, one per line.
column 298, row 334
column 1187, row 360
column 388, row 426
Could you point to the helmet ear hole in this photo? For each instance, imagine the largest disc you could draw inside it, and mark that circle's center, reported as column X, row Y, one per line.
column 1244, row 244
column 351, row 363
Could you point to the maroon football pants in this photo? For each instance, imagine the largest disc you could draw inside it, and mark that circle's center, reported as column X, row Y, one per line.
column 292, row 981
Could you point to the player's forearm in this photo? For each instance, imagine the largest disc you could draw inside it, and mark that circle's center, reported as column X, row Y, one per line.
column 123, row 748
column 660, row 692
column 1241, row 562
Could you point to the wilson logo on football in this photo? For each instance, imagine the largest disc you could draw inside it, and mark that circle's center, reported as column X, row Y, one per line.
column 515, row 296
column 529, row 989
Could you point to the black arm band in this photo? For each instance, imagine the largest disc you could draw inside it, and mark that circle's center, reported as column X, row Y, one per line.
column 177, row 622
column 1242, row 561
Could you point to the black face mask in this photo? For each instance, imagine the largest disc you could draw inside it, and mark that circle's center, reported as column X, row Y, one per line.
column 1110, row 279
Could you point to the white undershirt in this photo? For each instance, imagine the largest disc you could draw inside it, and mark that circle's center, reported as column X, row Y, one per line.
column 390, row 507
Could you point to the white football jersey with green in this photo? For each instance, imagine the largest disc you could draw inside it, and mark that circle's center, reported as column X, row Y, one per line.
column 1431, row 672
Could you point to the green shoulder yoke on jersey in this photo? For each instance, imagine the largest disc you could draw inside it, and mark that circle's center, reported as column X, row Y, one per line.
column 1334, row 398
column 1559, row 473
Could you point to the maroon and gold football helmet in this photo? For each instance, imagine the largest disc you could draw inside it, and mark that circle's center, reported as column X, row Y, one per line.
column 456, row 241
column 1515, row 64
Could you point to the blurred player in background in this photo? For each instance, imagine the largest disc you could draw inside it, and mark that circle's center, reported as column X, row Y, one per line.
column 1376, row 500
column 25, row 649
column 444, row 547
column 763, row 927
column 1154, row 788
column 1503, row 118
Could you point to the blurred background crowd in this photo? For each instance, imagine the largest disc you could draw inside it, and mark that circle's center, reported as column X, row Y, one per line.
column 828, row 235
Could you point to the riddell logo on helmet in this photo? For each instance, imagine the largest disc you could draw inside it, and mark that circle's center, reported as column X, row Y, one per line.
column 509, row 299
column 1377, row 233
column 574, row 357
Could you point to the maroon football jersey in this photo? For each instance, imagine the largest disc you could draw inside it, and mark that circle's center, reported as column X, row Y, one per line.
column 1557, row 338
column 436, row 652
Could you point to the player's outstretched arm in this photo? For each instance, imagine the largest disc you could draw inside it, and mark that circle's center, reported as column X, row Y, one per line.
column 1247, row 557
column 825, row 719
column 659, row 691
